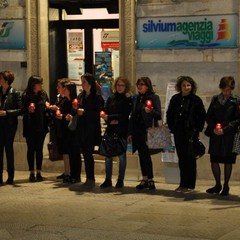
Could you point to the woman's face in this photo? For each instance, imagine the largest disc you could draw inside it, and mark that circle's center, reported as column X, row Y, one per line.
column 85, row 85
column 66, row 92
column 227, row 91
column 142, row 87
column 37, row 88
column 186, row 88
column 3, row 82
column 60, row 89
column 120, row 86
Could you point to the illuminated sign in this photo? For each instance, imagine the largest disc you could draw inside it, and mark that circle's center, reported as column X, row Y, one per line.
column 220, row 31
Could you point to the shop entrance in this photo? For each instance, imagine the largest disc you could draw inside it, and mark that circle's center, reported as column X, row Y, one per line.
column 70, row 25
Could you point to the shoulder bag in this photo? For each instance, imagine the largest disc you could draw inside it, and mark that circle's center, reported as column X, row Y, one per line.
column 158, row 137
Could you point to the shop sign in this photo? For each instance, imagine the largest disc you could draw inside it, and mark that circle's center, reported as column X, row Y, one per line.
column 218, row 31
column 110, row 39
column 12, row 34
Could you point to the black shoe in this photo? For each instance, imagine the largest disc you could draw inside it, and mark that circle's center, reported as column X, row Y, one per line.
column 9, row 180
column 142, row 185
column 67, row 179
column 75, row 180
column 216, row 189
column 106, row 183
column 151, row 185
column 32, row 177
column 1, row 179
column 61, row 176
column 225, row 191
column 39, row 177
column 119, row 184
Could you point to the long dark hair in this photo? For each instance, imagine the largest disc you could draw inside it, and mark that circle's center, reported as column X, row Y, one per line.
column 32, row 81
column 147, row 81
column 91, row 80
column 71, row 86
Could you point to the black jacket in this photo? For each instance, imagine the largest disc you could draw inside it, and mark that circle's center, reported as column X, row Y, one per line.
column 228, row 116
column 186, row 111
column 38, row 120
column 118, row 107
column 12, row 105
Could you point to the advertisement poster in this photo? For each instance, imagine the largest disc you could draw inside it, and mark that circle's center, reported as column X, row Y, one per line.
column 12, row 34
column 75, row 56
column 103, row 66
column 215, row 31
column 169, row 154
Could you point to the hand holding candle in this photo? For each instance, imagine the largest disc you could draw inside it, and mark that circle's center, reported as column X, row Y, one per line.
column 102, row 114
column 149, row 104
column 58, row 113
column 32, row 107
column 75, row 102
column 218, row 126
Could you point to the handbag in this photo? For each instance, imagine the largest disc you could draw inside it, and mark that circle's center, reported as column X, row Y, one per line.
column 112, row 145
column 72, row 125
column 158, row 137
column 54, row 155
column 196, row 148
column 236, row 142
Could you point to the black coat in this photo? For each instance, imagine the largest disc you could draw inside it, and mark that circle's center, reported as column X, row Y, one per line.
column 118, row 107
column 38, row 120
column 190, row 117
column 228, row 116
column 12, row 105
column 148, row 119
column 88, row 130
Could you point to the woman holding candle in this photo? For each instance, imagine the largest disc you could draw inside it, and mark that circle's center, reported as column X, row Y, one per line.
column 116, row 114
column 185, row 119
column 35, row 111
column 88, row 132
column 146, row 111
column 222, row 119
column 60, row 127
column 10, row 108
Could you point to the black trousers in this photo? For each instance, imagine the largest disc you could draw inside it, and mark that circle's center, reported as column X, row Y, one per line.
column 75, row 161
column 7, row 134
column 35, row 141
column 144, row 154
column 187, row 164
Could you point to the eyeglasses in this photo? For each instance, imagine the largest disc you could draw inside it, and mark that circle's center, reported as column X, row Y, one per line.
column 120, row 85
column 141, row 84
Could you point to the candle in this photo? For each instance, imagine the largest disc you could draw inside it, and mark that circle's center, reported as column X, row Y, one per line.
column 102, row 114
column 219, row 126
column 58, row 112
column 149, row 104
column 75, row 102
column 32, row 106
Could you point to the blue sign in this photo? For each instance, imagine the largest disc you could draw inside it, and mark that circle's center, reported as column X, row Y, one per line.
column 219, row 31
column 12, row 34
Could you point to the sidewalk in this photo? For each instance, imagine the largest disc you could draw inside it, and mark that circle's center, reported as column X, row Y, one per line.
column 53, row 210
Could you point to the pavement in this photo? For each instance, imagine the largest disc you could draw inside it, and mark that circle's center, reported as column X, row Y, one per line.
column 54, row 210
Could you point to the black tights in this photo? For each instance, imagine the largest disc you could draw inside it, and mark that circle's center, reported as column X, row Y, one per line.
column 217, row 173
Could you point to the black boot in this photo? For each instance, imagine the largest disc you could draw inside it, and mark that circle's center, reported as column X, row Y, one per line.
column 9, row 180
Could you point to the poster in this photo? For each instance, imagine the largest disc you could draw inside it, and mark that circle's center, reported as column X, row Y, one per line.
column 103, row 66
column 169, row 154
column 75, row 56
column 12, row 34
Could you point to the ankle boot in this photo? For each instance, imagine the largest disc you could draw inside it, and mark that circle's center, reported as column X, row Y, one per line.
column 10, row 179
column 225, row 191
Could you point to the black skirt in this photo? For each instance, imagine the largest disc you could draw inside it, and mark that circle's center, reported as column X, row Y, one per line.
column 227, row 159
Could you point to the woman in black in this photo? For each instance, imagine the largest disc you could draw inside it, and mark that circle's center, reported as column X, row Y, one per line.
column 116, row 114
column 10, row 108
column 143, row 116
column 88, row 130
column 185, row 118
column 35, row 124
column 222, row 119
